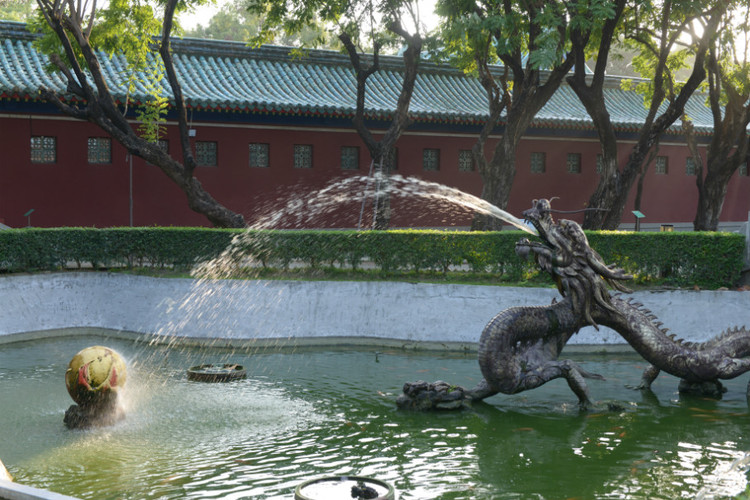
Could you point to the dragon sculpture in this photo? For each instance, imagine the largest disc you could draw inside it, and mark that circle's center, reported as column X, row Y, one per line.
column 519, row 349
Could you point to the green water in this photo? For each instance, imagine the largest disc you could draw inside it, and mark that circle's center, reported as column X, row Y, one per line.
column 317, row 413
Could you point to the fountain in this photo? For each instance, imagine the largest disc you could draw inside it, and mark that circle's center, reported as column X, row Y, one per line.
column 302, row 414
column 94, row 379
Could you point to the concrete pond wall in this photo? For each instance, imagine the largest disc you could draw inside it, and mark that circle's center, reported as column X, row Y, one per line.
column 410, row 315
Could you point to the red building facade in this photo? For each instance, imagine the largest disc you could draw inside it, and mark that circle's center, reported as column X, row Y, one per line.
column 257, row 156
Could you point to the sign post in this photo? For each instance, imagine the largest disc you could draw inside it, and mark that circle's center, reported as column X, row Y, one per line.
column 638, row 216
column 28, row 217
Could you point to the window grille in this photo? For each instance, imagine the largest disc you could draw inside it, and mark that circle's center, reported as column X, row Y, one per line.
column 599, row 163
column 661, row 166
column 302, row 156
column 43, row 149
column 349, row 158
column 689, row 166
column 431, row 159
column 207, row 153
column 538, row 163
column 100, row 150
column 573, row 163
column 259, row 155
column 466, row 161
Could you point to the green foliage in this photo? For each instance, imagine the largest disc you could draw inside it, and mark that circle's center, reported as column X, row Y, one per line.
column 703, row 259
column 316, row 23
column 235, row 22
column 664, row 41
column 17, row 10
column 123, row 28
column 732, row 55
column 707, row 260
column 152, row 113
column 489, row 30
column 26, row 250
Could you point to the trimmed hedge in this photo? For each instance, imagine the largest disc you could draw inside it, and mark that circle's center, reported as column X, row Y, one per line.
column 26, row 250
column 705, row 259
column 708, row 260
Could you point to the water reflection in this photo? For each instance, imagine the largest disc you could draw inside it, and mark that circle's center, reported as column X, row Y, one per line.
column 316, row 413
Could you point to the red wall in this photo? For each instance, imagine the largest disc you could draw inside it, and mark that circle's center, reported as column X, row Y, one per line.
column 72, row 192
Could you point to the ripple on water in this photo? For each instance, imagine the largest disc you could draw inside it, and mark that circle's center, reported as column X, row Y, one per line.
column 311, row 414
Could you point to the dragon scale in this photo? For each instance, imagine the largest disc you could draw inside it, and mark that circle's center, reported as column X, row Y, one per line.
column 725, row 356
column 520, row 347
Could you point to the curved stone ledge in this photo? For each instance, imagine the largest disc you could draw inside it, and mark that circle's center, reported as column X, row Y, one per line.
column 304, row 313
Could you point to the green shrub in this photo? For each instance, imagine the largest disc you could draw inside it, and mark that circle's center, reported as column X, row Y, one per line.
column 705, row 259
column 26, row 250
column 708, row 260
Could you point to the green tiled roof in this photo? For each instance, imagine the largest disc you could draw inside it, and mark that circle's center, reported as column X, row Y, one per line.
column 229, row 76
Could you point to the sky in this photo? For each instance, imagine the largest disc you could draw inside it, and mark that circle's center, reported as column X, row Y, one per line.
column 204, row 13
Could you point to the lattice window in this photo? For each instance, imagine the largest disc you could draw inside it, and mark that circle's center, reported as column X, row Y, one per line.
column 43, row 149
column 303, row 156
column 573, row 163
column 466, row 161
column 599, row 164
column 207, row 153
column 259, row 154
column 661, row 166
column 431, row 159
column 100, row 150
column 743, row 170
column 538, row 163
column 349, row 157
column 689, row 166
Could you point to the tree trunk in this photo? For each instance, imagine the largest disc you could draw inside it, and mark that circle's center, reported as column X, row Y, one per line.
column 615, row 194
column 380, row 151
column 612, row 192
column 497, row 178
column 100, row 108
column 591, row 96
column 728, row 148
column 529, row 96
column 610, row 182
column 711, row 195
column 642, row 177
column 382, row 201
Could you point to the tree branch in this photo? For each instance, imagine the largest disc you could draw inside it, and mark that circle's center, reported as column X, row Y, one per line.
column 181, row 111
column 362, row 74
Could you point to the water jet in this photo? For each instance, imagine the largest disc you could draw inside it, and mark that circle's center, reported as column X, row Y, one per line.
column 306, row 412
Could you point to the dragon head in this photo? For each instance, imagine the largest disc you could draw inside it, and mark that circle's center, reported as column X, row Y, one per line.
column 564, row 252
column 560, row 237
column 539, row 217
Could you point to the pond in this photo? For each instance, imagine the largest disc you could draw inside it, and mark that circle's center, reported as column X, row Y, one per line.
column 309, row 413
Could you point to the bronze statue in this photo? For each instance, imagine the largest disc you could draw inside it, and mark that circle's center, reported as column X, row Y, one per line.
column 520, row 347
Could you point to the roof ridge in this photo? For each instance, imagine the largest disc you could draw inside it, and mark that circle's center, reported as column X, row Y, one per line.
column 229, row 48
column 208, row 47
column 442, row 93
column 16, row 29
column 286, row 53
